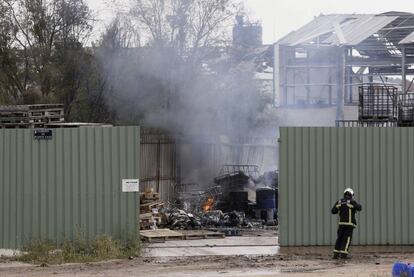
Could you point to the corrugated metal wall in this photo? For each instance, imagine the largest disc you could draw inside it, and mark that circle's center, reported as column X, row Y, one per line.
column 55, row 188
column 159, row 164
column 317, row 164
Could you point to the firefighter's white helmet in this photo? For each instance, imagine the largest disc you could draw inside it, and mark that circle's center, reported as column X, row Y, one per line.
column 349, row 191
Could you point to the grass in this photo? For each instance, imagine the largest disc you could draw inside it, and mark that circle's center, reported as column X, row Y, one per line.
column 80, row 249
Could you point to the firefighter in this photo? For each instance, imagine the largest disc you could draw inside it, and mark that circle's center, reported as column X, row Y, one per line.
column 347, row 208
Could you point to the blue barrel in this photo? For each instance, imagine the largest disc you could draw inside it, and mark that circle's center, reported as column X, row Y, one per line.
column 399, row 268
column 410, row 270
column 265, row 199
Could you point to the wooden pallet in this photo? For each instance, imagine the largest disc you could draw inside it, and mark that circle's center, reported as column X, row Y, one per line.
column 197, row 234
column 145, row 215
column 30, row 116
column 160, row 234
column 32, row 109
column 167, row 234
column 149, row 195
column 153, row 204
column 156, row 218
column 147, row 223
column 147, row 207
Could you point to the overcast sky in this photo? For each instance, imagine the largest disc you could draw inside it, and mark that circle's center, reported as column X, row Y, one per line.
column 279, row 17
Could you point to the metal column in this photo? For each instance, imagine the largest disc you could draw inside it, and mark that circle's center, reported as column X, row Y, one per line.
column 276, row 73
column 403, row 70
column 340, row 83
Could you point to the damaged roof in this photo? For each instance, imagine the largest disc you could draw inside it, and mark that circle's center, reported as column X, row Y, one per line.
column 409, row 39
column 359, row 29
column 353, row 29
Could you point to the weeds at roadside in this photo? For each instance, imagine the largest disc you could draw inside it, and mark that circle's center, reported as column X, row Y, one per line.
column 80, row 249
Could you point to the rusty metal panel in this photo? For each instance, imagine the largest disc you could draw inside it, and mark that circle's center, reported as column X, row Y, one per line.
column 52, row 189
column 158, row 165
column 317, row 164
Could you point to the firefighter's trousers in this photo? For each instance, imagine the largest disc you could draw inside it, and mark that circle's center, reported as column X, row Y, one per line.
column 344, row 239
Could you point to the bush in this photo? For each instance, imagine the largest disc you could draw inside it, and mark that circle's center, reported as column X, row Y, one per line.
column 103, row 247
column 41, row 251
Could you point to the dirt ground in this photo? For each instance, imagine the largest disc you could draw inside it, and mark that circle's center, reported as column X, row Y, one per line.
column 290, row 264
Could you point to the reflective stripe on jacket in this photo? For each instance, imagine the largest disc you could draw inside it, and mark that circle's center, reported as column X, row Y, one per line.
column 346, row 208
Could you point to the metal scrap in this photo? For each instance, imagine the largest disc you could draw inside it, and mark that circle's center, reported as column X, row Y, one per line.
column 178, row 219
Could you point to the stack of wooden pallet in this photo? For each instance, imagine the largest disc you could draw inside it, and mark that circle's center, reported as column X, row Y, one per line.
column 150, row 204
column 30, row 116
column 166, row 234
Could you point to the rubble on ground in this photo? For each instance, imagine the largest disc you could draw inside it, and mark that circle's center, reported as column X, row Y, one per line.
column 230, row 203
column 178, row 219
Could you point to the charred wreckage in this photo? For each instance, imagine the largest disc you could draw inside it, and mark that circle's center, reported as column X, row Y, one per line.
column 239, row 198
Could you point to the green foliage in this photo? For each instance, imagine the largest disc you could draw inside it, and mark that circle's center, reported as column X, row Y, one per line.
column 43, row 58
column 103, row 247
column 39, row 251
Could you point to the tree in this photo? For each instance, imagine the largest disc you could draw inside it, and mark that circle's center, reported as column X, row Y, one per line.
column 43, row 58
column 39, row 26
column 184, row 78
column 124, row 68
column 190, row 27
column 182, row 35
column 10, row 84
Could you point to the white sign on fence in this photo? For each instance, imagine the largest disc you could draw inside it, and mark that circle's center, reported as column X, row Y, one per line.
column 130, row 185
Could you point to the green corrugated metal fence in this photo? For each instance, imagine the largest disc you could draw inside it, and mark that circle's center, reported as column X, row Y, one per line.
column 53, row 189
column 317, row 164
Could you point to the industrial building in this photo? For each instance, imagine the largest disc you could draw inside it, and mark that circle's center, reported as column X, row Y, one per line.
column 320, row 67
column 349, row 71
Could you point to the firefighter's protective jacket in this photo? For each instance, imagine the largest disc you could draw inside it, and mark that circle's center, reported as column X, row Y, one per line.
column 347, row 209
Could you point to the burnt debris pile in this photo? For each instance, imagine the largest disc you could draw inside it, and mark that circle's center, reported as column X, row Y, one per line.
column 239, row 197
